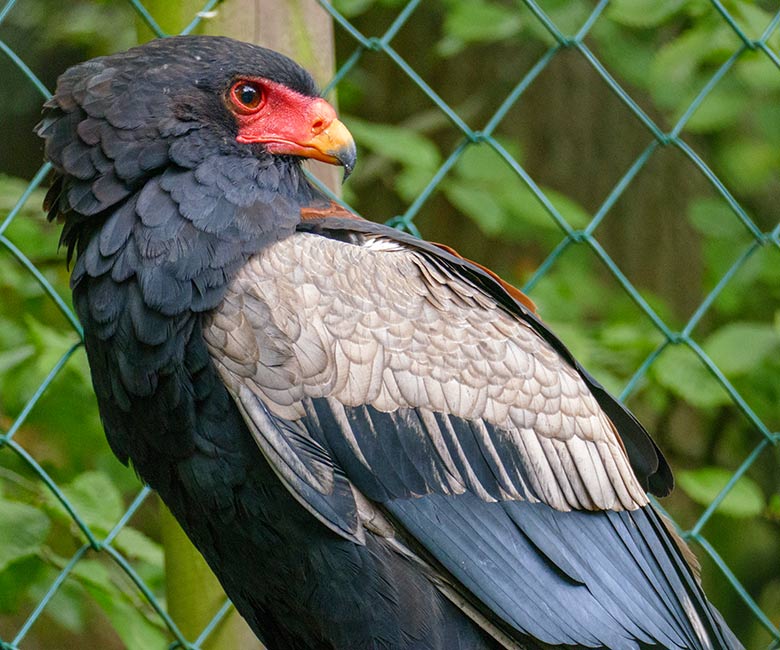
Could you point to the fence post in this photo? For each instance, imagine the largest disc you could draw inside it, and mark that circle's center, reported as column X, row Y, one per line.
column 302, row 30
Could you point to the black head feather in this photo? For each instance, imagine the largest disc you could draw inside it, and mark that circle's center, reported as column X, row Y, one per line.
column 144, row 137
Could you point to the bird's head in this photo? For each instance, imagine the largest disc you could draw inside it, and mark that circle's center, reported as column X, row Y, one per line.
column 185, row 98
column 179, row 142
column 267, row 100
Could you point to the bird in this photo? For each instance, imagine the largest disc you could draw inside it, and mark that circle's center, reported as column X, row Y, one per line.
column 374, row 442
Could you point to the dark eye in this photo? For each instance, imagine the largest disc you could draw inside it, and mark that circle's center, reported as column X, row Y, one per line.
column 247, row 95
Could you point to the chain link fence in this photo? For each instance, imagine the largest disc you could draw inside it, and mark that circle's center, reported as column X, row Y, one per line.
column 762, row 438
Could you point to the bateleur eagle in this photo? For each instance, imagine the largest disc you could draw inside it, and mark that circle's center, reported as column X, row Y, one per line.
column 374, row 442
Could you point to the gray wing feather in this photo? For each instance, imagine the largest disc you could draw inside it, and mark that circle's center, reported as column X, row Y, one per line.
column 378, row 325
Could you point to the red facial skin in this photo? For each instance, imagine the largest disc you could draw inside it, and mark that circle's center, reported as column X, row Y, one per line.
column 287, row 122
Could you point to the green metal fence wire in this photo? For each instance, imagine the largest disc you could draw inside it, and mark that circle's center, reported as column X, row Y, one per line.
column 765, row 438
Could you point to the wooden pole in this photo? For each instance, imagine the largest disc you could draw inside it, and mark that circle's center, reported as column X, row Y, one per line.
column 302, row 30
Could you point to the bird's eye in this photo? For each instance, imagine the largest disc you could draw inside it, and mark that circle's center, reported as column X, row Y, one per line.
column 247, row 95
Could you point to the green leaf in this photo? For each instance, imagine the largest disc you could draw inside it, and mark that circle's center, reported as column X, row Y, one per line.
column 625, row 53
column 745, row 498
column 475, row 21
column 96, row 500
column 67, row 608
column 20, row 581
column 92, row 572
column 12, row 358
column 352, row 8
column 722, row 108
column 483, row 163
column 128, row 620
column 411, row 181
column 714, row 218
column 398, row 143
column 12, row 334
column 578, row 340
column 479, row 204
column 22, row 532
column 573, row 212
column 33, row 234
column 51, row 343
column 643, row 13
column 568, row 16
column 758, row 72
column 749, row 164
column 738, row 347
column 751, row 18
column 766, row 117
column 682, row 372
column 673, row 77
column 134, row 544
column 489, row 191
column 11, row 189
column 773, row 506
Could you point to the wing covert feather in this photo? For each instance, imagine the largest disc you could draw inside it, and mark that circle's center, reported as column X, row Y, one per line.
column 448, row 376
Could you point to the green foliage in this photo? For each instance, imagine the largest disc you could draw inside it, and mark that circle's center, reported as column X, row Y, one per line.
column 681, row 371
column 38, row 535
column 477, row 21
column 417, row 157
column 120, row 606
column 738, row 348
column 95, row 499
column 644, row 14
column 23, row 532
column 36, row 542
column 773, row 506
column 484, row 187
column 704, row 484
column 353, row 8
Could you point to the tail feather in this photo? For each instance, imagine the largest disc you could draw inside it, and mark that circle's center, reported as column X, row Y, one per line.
column 617, row 580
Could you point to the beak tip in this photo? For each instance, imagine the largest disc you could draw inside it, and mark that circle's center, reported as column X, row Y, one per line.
column 347, row 156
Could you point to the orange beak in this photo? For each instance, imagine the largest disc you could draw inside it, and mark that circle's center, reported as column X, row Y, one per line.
column 333, row 144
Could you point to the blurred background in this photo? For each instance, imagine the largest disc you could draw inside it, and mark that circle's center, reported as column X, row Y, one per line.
column 620, row 161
